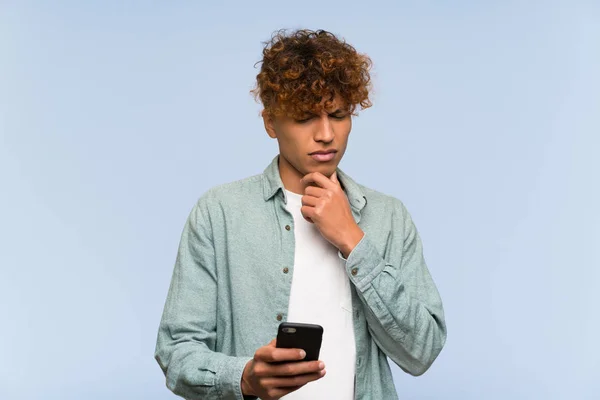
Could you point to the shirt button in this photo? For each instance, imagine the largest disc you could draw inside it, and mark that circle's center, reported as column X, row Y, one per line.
column 285, row 270
column 354, row 271
column 279, row 317
column 287, row 228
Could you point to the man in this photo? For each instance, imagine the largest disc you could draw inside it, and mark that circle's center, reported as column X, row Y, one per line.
column 301, row 242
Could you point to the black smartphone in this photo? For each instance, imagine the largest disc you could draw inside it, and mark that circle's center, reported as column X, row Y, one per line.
column 295, row 335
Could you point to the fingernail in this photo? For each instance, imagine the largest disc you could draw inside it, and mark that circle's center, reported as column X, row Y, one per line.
column 321, row 365
column 302, row 354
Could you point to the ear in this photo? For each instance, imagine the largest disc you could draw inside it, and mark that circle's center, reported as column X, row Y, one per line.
column 269, row 124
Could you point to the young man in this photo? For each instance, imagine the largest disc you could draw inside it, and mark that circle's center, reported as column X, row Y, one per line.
column 301, row 242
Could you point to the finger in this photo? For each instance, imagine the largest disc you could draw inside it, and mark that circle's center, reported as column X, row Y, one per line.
column 272, row 354
column 311, row 201
column 297, row 368
column 293, row 381
column 262, row 352
column 308, row 213
column 279, row 354
column 319, row 179
column 290, row 389
column 277, row 393
column 334, row 178
column 315, row 191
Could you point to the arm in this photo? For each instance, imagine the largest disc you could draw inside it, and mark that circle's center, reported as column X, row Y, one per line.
column 185, row 347
column 402, row 306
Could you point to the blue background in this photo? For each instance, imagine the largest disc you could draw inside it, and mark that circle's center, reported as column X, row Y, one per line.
column 116, row 116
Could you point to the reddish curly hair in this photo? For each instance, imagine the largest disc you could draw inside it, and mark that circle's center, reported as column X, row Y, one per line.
column 301, row 69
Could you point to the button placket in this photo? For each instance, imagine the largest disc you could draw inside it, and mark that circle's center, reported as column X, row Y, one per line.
column 285, row 239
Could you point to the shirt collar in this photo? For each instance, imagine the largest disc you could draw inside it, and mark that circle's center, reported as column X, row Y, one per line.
column 272, row 185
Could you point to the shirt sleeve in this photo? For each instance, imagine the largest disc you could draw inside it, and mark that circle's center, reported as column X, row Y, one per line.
column 185, row 347
column 403, row 308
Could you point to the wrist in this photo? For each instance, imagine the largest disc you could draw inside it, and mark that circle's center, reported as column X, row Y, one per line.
column 354, row 237
column 244, row 385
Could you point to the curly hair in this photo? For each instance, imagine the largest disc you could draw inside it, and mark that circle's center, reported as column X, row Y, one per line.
column 302, row 69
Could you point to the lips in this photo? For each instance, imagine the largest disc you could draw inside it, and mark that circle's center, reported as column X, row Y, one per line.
column 323, row 156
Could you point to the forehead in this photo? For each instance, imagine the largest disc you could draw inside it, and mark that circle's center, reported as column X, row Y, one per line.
column 337, row 103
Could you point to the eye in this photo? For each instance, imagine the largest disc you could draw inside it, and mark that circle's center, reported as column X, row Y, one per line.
column 305, row 119
column 339, row 116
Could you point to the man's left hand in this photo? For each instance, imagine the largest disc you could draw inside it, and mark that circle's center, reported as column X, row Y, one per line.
column 325, row 204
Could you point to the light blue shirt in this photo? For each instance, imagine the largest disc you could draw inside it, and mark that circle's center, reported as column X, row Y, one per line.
column 229, row 292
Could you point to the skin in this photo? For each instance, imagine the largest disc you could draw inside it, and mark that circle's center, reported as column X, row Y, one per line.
column 269, row 381
column 325, row 204
column 296, row 139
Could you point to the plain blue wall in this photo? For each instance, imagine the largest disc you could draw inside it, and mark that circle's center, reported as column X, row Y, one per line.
column 116, row 116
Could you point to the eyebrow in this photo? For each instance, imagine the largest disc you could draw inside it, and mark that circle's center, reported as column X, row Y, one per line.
column 336, row 112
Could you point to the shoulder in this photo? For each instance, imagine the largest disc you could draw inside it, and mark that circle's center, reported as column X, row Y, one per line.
column 241, row 191
column 385, row 212
column 384, row 203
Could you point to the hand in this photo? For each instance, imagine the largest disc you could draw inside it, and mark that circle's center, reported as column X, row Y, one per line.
column 269, row 381
column 327, row 206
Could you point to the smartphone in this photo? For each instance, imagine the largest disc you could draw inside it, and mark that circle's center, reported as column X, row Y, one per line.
column 295, row 335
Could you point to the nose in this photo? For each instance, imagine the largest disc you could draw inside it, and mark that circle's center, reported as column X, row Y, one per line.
column 324, row 131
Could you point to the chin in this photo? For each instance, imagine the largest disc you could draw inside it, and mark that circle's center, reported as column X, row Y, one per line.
column 327, row 170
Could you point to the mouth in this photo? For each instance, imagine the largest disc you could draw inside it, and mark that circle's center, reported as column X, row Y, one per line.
column 323, row 156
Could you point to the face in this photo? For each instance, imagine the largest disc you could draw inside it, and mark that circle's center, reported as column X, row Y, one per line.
column 299, row 140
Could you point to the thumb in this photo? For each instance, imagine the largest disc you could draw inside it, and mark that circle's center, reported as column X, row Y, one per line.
column 334, row 177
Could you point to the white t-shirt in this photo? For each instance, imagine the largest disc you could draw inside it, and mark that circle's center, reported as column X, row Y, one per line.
column 320, row 294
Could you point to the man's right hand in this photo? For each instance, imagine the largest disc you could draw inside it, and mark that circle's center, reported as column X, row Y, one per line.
column 269, row 381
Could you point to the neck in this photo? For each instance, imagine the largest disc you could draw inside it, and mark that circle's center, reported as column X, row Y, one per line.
column 290, row 177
